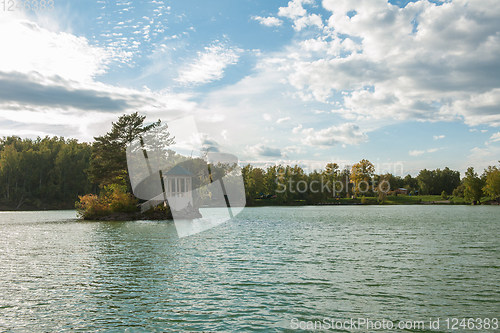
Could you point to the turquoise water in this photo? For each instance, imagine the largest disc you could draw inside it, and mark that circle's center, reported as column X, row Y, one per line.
column 256, row 273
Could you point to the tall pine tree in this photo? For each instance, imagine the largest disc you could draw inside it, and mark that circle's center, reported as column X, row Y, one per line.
column 108, row 164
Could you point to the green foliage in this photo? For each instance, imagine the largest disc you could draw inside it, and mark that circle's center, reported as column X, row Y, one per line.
column 459, row 191
column 433, row 182
column 491, row 178
column 363, row 200
column 42, row 173
column 472, row 186
column 112, row 199
column 108, row 163
column 444, row 196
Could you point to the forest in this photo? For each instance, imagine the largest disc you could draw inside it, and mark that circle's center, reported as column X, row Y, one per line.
column 56, row 173
column 48, row 173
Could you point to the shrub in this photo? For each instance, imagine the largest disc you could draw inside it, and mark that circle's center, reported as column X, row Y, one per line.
column 91, row 206
column 112, row 199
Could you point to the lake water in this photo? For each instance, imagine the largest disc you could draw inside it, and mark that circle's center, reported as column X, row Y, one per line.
column 271, row 269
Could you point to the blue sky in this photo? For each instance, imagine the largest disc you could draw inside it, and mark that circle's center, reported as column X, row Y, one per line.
column 412, row 83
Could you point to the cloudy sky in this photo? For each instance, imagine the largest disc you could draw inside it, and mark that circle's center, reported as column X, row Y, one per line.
column 302, row 81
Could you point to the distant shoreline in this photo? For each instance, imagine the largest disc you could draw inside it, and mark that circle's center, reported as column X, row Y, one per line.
column 368, row 201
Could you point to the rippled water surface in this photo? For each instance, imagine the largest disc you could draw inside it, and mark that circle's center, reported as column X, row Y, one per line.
column 255, row 273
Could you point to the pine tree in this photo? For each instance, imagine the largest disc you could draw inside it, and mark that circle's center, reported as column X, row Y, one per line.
column 108, row 164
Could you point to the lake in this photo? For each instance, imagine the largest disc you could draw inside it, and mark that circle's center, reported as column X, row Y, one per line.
column 271, row 269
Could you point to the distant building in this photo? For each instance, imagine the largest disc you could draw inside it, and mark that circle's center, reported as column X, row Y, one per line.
column 178, row 187
column 401, row 191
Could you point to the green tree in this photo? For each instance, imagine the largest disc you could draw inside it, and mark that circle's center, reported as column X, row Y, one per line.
column 331, row 176
column 42, row 173
column 426, row 182
column 108, row 163
column 410, row 183
column 492, row 182
column 270, row 180
column 473, row 186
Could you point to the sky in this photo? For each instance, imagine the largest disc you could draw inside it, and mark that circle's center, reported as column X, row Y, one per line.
column 405, row 84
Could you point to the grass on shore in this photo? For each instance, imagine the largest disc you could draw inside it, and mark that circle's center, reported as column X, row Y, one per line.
column 389, row 200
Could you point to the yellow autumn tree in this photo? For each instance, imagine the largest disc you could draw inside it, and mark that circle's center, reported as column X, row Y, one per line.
column 361, row 175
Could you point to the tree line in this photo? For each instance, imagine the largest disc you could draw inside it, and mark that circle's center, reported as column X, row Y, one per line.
column 290, row 183
column 48, row 173
column 52, row 173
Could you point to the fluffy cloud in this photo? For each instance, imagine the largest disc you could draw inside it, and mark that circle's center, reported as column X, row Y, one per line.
column 437, row 137
column 294, row 9
column 424, row 61
column 295, row 150
column 282, row 120
column 297, row 129
column 495, row 137
column 296, row 12
column 268, row 21
column 209, row 143
column 262, row 150
column 29, row 48
column 348, row 133
column 416, row 152
column 210, row 64
column 481, row 158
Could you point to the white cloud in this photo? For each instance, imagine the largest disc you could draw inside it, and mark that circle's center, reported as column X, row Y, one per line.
column 27, row 47
column 294, row 9
column 262, row 150
column 224, row 134
column 416, row 152
column 310, row 20
column 282, row 120
column 433, row 150
column 295, row 150
column 297, row 129
column 296, row 12
column 267, row 117
column 210, row 64
column 423, row 61
column 481, row 158
column 495, row 137
column 437, row 137
column 213, row 118
column 208, row 143
column 268, row 21
column 348, row 133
